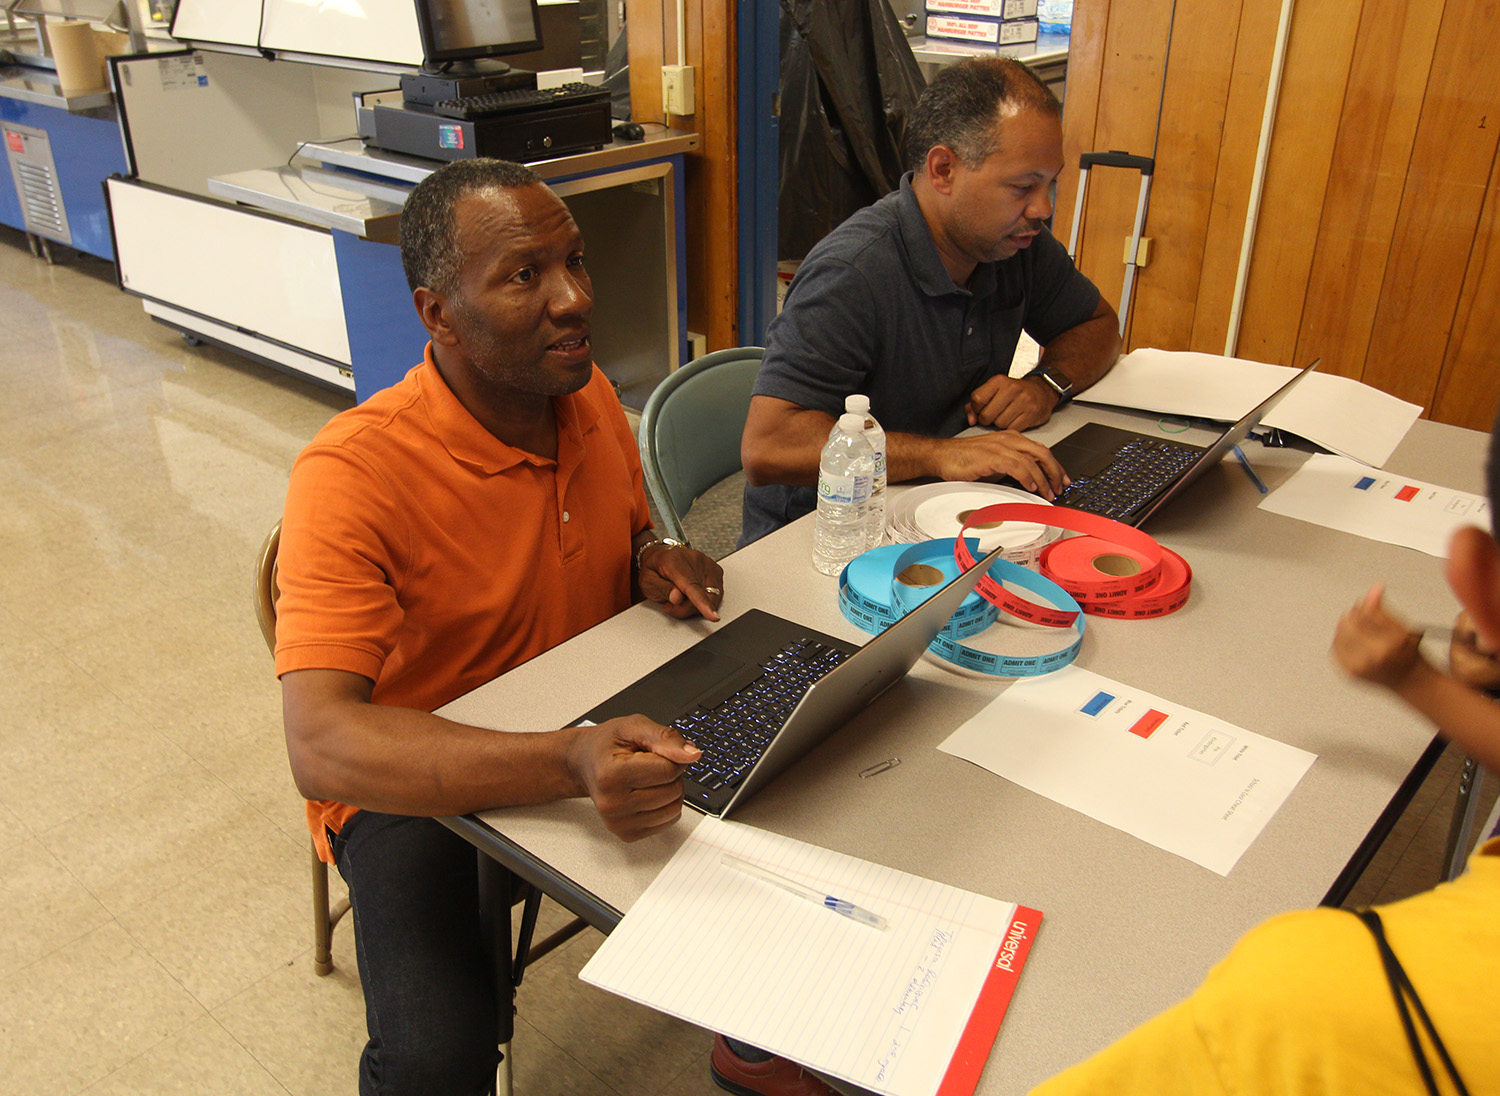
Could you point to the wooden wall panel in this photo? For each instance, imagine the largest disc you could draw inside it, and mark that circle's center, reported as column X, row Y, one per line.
column 1254, row 44
column 712, row 193
column 1125, row 120
column 1469, row 387
column 1378, row 246
column 644, row 22
column 1388, row 73
column 1187, row 157
column 1452, row 158
column 712, row 183
column 1081, row 102
column 1319, row 51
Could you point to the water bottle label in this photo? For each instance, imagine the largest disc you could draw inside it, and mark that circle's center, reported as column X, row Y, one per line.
column 843, row 489
column 879, row 463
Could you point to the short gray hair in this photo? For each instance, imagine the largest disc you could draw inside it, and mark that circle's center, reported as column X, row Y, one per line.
column 430, row 254
column 960, row 107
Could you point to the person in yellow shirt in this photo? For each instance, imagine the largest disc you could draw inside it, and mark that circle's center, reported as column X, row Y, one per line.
column 1307, row 1003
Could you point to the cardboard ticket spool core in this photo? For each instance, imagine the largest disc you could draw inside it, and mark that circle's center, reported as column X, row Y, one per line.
column 1116, row 565
column 75, row 51
column 921, row 574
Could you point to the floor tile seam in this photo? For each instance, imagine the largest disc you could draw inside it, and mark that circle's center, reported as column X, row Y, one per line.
column 205, row 1012
column 701, row 1062
column 267, row 1070
column 216, row 869
column 143, row 950
column 206, row 1008
column 560, row 1051
column 21, row 968
column 129, row 791
column 138, row 710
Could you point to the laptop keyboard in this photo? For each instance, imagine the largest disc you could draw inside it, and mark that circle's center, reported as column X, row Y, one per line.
column 736, row 730
column 1139, row 472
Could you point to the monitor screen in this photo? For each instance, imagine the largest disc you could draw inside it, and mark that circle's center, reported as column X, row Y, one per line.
column 460, row 30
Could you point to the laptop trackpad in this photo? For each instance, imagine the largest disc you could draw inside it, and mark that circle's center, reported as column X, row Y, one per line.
column 699, row 673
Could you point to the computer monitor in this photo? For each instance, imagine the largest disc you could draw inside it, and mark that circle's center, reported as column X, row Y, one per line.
column 462, row 35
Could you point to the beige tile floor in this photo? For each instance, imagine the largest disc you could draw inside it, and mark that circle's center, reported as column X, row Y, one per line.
column 153, row 877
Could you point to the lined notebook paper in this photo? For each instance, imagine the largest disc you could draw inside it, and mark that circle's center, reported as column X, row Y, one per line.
column 909, row 1010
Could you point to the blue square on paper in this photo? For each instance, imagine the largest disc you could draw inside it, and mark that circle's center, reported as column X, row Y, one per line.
column 1097, row 704
column 1365, row 483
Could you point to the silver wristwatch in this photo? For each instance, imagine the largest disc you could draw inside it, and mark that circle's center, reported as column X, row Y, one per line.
column 1056, row 380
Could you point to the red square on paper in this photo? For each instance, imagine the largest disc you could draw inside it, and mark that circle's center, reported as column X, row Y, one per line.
column 1407, row 493
column 1147, row 724
column 14, row 142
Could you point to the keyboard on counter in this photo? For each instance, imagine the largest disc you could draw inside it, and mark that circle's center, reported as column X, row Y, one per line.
column 734, row 731
column 519, row 100
column 1141, row 471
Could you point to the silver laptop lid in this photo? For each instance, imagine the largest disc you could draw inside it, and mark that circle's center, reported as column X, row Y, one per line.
column 836, row 697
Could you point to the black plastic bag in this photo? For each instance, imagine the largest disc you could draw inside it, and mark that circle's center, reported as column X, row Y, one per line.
column 848, row 85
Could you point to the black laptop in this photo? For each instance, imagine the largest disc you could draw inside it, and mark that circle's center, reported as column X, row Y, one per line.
column 1128, row 476
column 762, row 691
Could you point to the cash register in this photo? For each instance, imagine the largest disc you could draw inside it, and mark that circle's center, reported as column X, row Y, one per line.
column 466, row 102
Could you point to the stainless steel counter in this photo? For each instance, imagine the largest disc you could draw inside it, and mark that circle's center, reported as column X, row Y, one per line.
column 41, row 86
column 347, row 186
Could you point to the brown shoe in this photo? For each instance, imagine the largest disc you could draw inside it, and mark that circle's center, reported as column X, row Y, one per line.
column 777, row 1077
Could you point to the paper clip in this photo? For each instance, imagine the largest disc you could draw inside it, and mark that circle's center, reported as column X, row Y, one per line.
column 876, row 770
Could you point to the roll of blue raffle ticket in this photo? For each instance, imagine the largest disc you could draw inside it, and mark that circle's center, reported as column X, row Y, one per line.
column 884, row 584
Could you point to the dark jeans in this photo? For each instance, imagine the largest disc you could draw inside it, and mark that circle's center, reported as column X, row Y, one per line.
column 429, row 988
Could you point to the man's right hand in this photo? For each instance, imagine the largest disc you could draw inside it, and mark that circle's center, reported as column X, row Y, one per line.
column 632, row 769
column 1001, row 453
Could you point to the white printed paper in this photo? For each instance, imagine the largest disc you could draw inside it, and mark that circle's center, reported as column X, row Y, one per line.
column 889, row 1010
column 1335, row 412
column 1182, row 780
column 1341, row 494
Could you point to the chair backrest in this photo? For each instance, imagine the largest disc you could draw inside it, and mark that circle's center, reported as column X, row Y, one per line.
column 266, row 590
column 691, row 427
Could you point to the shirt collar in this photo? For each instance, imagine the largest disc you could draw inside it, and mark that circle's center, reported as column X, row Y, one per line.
column 922, row 253
column 472, row 445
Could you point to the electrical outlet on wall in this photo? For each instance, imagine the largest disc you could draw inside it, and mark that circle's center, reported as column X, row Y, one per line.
column 677, row 89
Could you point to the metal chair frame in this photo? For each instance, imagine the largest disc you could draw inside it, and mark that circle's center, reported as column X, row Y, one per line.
column 681, row 458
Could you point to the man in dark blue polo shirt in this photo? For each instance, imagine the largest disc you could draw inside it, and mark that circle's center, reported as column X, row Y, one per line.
column 919, row 300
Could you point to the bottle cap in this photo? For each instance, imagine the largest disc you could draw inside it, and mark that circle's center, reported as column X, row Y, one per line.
column 858, row 404
column 851, row 423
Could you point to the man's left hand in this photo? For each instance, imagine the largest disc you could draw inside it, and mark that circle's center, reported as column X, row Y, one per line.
column 1008, row 403
column 683, row 581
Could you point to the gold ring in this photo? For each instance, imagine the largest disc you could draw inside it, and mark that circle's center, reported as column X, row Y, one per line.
column 713, row 590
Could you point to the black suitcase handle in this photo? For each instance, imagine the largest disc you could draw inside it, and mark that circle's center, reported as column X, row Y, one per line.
column 1144, row 164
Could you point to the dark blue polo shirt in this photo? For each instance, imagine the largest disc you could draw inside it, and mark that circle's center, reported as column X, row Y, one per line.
column 873, row 310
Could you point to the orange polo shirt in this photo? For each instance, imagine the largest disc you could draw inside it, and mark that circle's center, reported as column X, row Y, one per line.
column 419, row 551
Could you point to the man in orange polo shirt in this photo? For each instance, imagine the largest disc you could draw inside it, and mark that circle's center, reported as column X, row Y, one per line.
column 482, row 510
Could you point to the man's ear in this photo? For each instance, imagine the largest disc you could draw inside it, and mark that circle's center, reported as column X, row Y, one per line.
column 436, row 313
column 940, row 165
column 1474, row 574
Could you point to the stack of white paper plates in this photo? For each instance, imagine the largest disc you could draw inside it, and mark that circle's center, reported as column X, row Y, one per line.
column 937, row 510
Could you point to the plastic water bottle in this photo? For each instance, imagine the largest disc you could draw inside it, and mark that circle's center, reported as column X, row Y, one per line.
column 860, row 405
column 845, row 474
column 1054, row 16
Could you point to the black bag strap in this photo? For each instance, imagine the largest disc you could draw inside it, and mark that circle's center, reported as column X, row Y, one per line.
column 1406, row 1001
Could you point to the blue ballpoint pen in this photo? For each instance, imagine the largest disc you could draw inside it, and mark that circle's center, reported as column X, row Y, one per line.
column 1245, row 463
column 827, row 901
